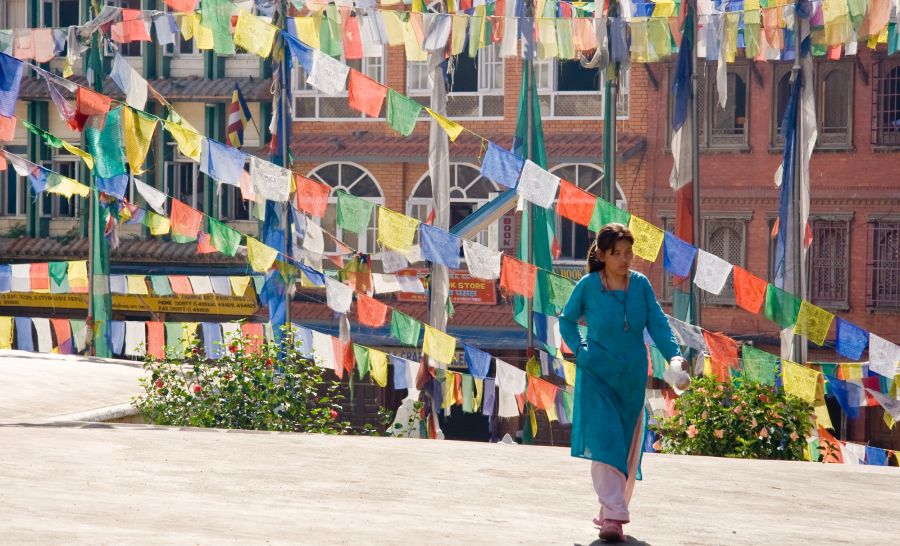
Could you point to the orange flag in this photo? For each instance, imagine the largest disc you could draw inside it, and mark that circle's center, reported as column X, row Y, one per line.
column 353, row 46
column 517, row 277
column 181, row 285
column 203, row 244
column 724, row 353
column 182, row 6
column 7, row 128
column 749, row 290
column 541, row 394
column 369, row 311
column 156, row 339
column 575, row 203
column 63, row 331
column 343, row 357
column 829, row 447
column 132, row 28
column 365, row 94
column 252, row 332
column 91, row 103
column 185, row 221
column 40, row 277
column 312, row 196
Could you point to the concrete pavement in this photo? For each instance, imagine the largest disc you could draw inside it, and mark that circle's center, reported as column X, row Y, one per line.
column 115, row 484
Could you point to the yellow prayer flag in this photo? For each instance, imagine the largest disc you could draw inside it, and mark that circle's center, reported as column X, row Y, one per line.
column 648, row 238
column 188, row 333
column 378, row 367
column 6, row 332
column 138, row 129
column 551, row 413
column 203, row 35
column 851, row 370
column 189, row 142
column 534, row 429
column 413, row 48
column 261, row 256
column 254, row 34
column 78, row 277
column 458, row 33
column 707, row 366
column 308, row 30
column 75, row 150
column 137, row 286
column 813, row 322
column 239, row 285
column 439, row 345
column 68, row 187
column 447, row 390
column 823, row 419
column 158, row 224
column 800, row 381
column 546, row 38
column 569, row 372
column 396, row 231
column 452, row 128
column 664, row 8
column 393, row 26
column 479, row 393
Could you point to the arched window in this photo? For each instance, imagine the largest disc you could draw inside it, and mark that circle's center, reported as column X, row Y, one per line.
column 468, row 191
column 725, row 238
column 575, row 239
column 782, row 96
column 356, row 181
column 729, row 124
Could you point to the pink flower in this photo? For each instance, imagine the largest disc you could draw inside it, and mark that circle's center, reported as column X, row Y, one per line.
column 753, row 423
column 719, row 433
column 763, row 433
column 334, row 415
column 738, row 410
column 794, row 436
column 197, row 389
column 704, row 415
column 692, row 431
column 159, row 384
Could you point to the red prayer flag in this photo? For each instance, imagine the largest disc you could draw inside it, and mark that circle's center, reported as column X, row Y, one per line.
column 156, row 339
column 185, row 220
column 203, row 244
column 343, row 357
column 90, row 103
column 365, row 94
column 63, row 332
column 181, row 285
column 829, row 447
column 369, row 311
column 749, row 290
column 517, row 277
column 541, row 394
column 3, row 164
column 40, row 276
column 252, row 332
column 132, row 28
column 575, row 203
column 312, row 196
column 723, row 351
column 353, row 46
column 7, row 128
column 182, row 6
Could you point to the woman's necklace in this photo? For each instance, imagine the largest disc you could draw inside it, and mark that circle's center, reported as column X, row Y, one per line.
column 625, row 326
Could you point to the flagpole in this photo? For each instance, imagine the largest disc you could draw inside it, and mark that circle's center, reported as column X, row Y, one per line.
column 609, row 122
column 798, row 351
column 285, row 131
column 529, row 149
column 695, row 316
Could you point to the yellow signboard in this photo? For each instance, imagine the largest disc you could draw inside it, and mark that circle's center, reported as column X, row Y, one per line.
column 207, row 304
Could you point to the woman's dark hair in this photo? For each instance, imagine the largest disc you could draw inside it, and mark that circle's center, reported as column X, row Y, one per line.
column 606, row 240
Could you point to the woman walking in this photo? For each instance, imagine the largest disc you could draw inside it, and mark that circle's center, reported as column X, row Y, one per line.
column 616, row 304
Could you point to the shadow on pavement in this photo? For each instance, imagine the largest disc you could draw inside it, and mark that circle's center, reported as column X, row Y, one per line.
column 628, row 540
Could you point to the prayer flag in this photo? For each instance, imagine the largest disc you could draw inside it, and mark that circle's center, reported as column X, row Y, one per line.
column 800, row 381
column 575, row 204
column 813, row 322
column 224, row 163
column 338, row 295
column 395, row 230
column 883, row 356
column 439, row 345
column 10, row 81
column 402, row 112
column 510, row 379
column 312, row 196
column 851, row 339
column 225, row 239
column 105, row 145
column 181, row 285
column 185, row 222
column 537, row 185
column 328, row 75
column 369, row 311
column 712, row 272
column 758, row 366
column 723, row 351
column 137, row 285
column 353, row 213
column 405, row 328
column 501, row 166
column 478, row 361
column 450, row 127
column 155, row 198
column 365, row 94
column 361, row 356
column 7, row 128
column 749, row 290
column 378, row 367
column 6, row 332
column 138, row 129
column 483, row 262
column 260, row 256
column 90, row 103
column 560, row 289
column 269, row 181
column 517, row 277
column 130, row 82
column 158, row 225
column 238, row 118
column 189, row 142
column 678, row 255
column 200, row 284
column 781, row 307
column 132, row 28
column 439, row 246
column 239, row 285
column 216, row 16
column 254, row 34
column 648, row 239
column 40, row 277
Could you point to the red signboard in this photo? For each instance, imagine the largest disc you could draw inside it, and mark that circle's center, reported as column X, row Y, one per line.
column 463, row 288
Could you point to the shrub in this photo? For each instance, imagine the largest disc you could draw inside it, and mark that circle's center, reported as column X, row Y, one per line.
column 740, row 419
column 273, row 388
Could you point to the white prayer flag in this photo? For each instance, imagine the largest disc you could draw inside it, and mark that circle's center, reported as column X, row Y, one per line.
column 688, row 335
column 510, row 378
column 338, row 295
column 221, row 285
column 537, row 185
column 890, row 405
column 483, row 262
column 44, row 337
column 414, row 254
column 21, row 278
column 323, row 349
column 438, row 31
column 510, row 45
column 853, row 453
column 385, row 284
column 328, row 75
column 712, row 272
column 410, row 283
column 135, row 338
column 883, row 356
column 269, row 181
column 230, row 330
column 200, row 284
column 314, row 240
column 506, row 404
column 393, row 261
column 155, row 198
column 132, row 84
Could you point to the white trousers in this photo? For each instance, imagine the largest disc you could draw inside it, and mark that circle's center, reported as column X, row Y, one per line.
column 612, row 487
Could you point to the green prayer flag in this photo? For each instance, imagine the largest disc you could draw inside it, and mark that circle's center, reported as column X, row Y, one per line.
column 565, row 40
column 353, row 213
column 330, row 41
column 759, row 366
column 781, row 307
column 58, row 271
column 105, row 145
column 605, row 212
column 49, row 140
column 361, row 355
column 161, row 286
column 405, row 328
column 568, row 402
column 258, row 282
column 174, row 338
column 560, row 289
column 216, row 16
column 468, row 392
column 101, row 300
column 402, row 112
column 658, row 361
column 223, row 238
column 448, row 307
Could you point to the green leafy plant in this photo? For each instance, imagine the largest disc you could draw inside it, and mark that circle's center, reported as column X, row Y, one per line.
column 740, row 419
column 270, row 388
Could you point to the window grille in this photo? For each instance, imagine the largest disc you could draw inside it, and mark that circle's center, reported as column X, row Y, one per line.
column 829, row 263
column 727, row 128
column 310, row 104
column 475, row 86
column 725, row 238
column 885, row 270
column 834, row 103
column 568, row 90
column 886, row 107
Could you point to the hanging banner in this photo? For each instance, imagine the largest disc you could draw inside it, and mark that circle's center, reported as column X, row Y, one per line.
column 464, row 288
column 206, row 304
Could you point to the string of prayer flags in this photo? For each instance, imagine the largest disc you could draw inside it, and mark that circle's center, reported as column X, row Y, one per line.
column 712, row 272
column 781, row 307
column 851, row 340
column 509, row 378
column 254, row 34
column 813, row 322
column 800, row 381
column 338, row 295
column 606, row 213
column 405, row 328
column 749, row 290
column 402, row 112
column 185, row 222
column 517, row 277
column 438, row 345
column 353, row 213
column 10, row 80
column 396, row 231
column 537, row 185
column 189, row 142
column 439, row 246
column 369, row 311
column 223, row 238
column 758, row 366
column 483, row 262
column 130, row 82
column 883, row 356
column 365, row 94
column 501, row 166
column 449, row 126
column 575, row 204
column 260, row 256
column 678, row 255
column 312, row 196
column 105, row 145
column 648, row 239
column 328, row 75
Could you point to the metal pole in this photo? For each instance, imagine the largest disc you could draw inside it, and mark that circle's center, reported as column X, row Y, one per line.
column 285, row 130
column 695, row 167
column 796, row 233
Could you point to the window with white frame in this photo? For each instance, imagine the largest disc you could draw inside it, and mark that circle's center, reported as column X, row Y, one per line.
column 183, row 179
column 61, row 13
column 468, row 192
column 725, row 237
column 232, row 205
column 310, row 104
column 358, row 182
column 12, row 194
column 574, row 239
column 474, row 85
column 568, row 90
column 56, row 206
column 181, row 47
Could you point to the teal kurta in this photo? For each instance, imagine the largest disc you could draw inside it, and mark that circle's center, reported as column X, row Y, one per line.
column 612, row 363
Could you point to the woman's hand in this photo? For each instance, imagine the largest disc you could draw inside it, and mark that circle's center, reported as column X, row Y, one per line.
column 676, row 376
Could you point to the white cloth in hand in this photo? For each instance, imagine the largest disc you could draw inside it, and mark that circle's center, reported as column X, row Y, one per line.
column 676, row 376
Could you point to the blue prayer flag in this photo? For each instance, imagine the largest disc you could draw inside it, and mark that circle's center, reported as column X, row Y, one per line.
column 10, row 81
column 315, row 277
column 478, row 361
column 212, row 339
column 501, row 166
column 24, row 339
column 301, row 51
column 847, row 395
column 115, row 186
column 5, row 278
column 678, row 255
column 303, row 338
column 876, row 456
column 487, row 407
column 222, row 162
column 400, row 372
column 439, row 246
column 38, row 179
column 681, row 83
column 851, row 339
column 118, row 284
column 117, row 335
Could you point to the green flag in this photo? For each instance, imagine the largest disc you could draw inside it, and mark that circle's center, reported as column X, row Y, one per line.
column 58, row 271
column 405, row 328
column 402, row 113
column 174, row 338
column 605, row 212
column 781, row 307
column 105, row 145
column 223, row 238
column 330, row 41
column 659, row 362
column 353, row 213
column 560, row 290
column 759, row 366
column 216, row 16
column 361, row 355
column 161, row 286
column 101, row 301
